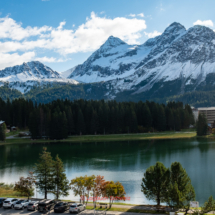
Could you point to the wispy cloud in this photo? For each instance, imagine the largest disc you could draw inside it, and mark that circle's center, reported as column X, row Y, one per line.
column 132, row 15
column 207, row 23
column 135, row 15
column 140, row 15
column 51, row 59
column 152, row 34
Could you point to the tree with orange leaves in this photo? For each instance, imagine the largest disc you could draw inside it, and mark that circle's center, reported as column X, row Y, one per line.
column 26, row 185
column 98, row 188
column 113, row 191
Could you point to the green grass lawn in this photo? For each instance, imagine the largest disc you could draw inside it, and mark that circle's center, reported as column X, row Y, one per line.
column 9, row 193
column 112, row 137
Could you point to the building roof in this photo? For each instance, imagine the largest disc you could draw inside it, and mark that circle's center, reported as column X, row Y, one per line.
column 207, row 108
column 1, row 122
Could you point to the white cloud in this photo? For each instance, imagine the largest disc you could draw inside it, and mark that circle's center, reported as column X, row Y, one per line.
column 61, row 25
column 51, row 59
column 132, row 15
column 152, row 34
column 207, row 23
column 135, row 15
column 9, row 29
column 8, row 60
column 88, row 36
column 140, row 14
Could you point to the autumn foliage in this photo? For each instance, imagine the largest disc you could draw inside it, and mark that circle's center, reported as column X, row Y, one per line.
column 96, row 186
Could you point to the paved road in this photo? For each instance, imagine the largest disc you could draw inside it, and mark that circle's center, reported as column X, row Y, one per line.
column 86, row 212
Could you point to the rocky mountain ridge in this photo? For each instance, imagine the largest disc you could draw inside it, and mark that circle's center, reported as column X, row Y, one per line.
column 31, row 74
column 176, row 62
column 178, row 55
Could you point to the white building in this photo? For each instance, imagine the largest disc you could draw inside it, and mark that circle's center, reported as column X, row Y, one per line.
column 209, row 112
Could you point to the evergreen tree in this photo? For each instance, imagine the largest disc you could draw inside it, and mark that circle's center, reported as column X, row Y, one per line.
column 177, row 120
column 161, row 124
column 70, row 121
column 44, row 173
column 133, row 122
column 147, row 117
column 154, row 183
column 81, row 123
column 209, row 205
column 170, row 120
column 64, row 126
column 34, row 124
column 180, row 190
column 155, row 115
column 187, row 119
column 55, row 126
column 61, row 182
column 201, row 125
column 94, row 123
column 3, row 132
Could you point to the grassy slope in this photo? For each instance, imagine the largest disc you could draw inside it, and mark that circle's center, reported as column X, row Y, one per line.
column 113, row 137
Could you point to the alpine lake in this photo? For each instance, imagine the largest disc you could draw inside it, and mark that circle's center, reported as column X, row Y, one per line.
column 118, row 161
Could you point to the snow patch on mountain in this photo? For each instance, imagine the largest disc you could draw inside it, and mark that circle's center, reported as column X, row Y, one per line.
column 68, row 72
column 177, row 54
column 24, row 77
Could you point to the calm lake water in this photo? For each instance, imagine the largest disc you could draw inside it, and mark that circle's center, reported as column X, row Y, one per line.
column 118, row 161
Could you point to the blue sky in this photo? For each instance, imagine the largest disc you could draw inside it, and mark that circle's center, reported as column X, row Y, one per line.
column 63, row 33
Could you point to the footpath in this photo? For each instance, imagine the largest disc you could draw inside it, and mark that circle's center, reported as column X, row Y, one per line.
column 133, row 209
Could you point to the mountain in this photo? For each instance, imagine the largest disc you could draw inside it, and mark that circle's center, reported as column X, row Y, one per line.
column 24, row 77
column 175, row 62
column 28, row 71
column 68, row 72
column 114, row 59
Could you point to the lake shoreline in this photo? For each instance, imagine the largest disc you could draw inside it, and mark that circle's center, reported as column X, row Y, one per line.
column 108, row 138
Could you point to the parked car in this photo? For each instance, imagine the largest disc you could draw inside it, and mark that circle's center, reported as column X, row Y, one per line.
column 21, row 204
column 32, row 206
column 10, row 202
column 61, row 207
column 1, row 201
column 77, row 208
column 46, row 205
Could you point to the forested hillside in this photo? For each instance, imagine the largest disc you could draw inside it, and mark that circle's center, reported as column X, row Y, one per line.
column 60, row 118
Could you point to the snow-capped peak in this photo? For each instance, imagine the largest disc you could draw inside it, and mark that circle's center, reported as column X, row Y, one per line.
column 174, row 28
column 32, row 70
column 201, row 31
column 113, row 42
column 24, row 77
